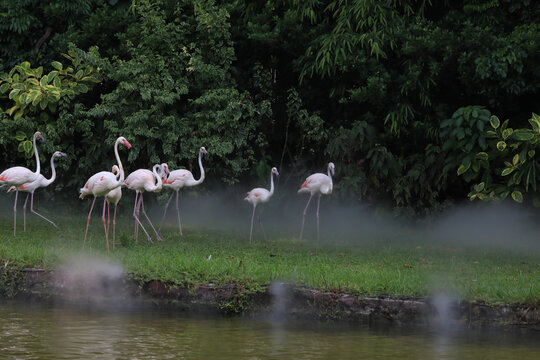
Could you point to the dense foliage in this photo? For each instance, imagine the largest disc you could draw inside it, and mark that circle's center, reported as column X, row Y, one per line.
column 398, row 93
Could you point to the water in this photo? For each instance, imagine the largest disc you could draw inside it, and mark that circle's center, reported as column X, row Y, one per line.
column 38, row 331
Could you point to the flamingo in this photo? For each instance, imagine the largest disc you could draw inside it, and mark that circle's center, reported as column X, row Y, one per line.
column 260, row 196
column 317, row 184
column 176, row 180
column 40, row 182
column 114, row 197
column 18, row 175
column 142, row 180
column 101, row 184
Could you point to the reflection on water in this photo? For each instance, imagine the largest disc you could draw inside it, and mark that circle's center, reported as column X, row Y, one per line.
column 30, row 331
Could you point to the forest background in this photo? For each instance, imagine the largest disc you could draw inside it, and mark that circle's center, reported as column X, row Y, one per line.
column 418, row 103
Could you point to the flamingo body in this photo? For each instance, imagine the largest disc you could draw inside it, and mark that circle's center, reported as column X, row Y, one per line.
column 40, row 182
column 142, row 180
column 260, row 196
column 317, row 184
column 101, row 183
column 180, row 178
column 19, row 175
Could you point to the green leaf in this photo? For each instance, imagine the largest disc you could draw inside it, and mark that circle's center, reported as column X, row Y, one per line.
column 20, row 136
column 515, row 160
column 494, row 121
column 523, row 135
column 57, row 65
column 507, row 171
column 463, row 168
column 44, row 81
column 479, row 187
column 482, row 155
column 4, row 88
column 27, row 145
column 501, row 145
column 531, row 153
column 517, row 196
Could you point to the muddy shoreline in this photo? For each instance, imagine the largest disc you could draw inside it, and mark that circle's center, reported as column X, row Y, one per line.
column 278, row 299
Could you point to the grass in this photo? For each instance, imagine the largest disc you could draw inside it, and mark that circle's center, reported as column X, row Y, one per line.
column 413, row 266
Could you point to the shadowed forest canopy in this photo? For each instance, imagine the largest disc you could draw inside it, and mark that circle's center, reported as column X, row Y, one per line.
column 404, row 96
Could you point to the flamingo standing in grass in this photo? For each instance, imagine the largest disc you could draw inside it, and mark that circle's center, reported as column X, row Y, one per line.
column 101, row 184
column 260, row 196
column 114, row 197
column 40, row 182
column 145, row 180
column 18, row 175
column 177, row 179
column 317, row 184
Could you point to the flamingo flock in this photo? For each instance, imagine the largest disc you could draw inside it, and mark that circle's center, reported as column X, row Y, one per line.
column 109, row 184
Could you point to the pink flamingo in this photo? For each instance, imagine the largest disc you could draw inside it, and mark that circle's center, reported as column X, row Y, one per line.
column 101, row 184
column 178, row 179
column 142, row 180
column 260, row 196
column 18, row 175
column 114, row 197
column 317, row 184
column 36, row 184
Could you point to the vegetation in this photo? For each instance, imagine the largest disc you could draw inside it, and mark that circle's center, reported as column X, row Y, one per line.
column 412, row 266
column 398, row 93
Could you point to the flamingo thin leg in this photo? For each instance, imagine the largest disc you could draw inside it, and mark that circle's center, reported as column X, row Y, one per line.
column 114, row 226
column 147, row 218
column 105, row 227
column 318, row 203
column 178, row 212
column 15, row 213
column 165, row 212
column 35, row 212
column 136, row 232
column 137, row 219
column 252, row 217
column 88, row 221
column 304, row 216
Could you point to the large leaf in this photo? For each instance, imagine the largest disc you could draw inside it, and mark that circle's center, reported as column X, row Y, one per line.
column 517, row 196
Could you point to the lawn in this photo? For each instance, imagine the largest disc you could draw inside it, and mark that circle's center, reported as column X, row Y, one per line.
column 401, row 263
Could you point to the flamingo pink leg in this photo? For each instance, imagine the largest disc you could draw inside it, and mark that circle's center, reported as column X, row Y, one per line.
column 147, row 218
column 88, row 221
column 165, row 212
column 114, row 226
column 318, row 203
column 108, row 218
column 136, row 233
column 35, row 212
column 252, row 217
column 304, row 217
column 137, row 220
column 105, row 227
column 15, row 213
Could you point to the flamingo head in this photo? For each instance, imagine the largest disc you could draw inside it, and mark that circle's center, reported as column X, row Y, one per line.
column 59, row 154
column 274, row 171
column 115, row 169
column 331, row 168
column 203, row 150
column 11, row 188
column 123, row 140
column 37, row 135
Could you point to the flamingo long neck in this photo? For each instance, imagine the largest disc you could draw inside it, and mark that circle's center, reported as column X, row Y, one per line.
column 271, row 183
column 330, row 178
column 156, row 175
column 197, row 182
column 47, row 182
column 121, row 179
column 38, row 165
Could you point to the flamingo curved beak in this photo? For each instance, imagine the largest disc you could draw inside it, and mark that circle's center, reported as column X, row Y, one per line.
column 63, row 154
column 128, row 145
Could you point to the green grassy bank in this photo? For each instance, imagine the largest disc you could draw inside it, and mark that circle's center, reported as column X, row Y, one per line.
column 413, row 266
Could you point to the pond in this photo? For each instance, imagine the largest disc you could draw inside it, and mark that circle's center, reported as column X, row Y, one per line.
column 45, row 331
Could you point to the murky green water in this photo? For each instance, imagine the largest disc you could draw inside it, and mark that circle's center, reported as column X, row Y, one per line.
column 30, row 331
